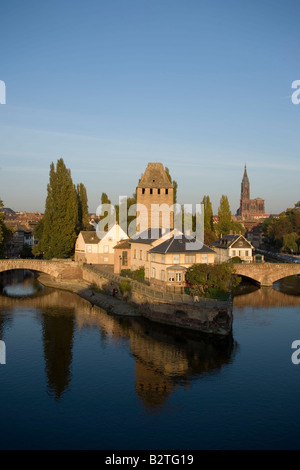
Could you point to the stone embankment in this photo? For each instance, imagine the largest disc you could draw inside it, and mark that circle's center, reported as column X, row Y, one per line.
column 97, row 285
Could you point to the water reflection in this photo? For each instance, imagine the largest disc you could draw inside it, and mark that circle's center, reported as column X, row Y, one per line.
column 277, row 296
column 164, row 357
column 19, row 283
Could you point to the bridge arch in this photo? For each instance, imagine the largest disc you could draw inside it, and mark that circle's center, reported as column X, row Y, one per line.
column 60, row 269
column 267, row 273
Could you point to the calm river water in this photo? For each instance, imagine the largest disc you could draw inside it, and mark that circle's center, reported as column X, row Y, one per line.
column 78, row 378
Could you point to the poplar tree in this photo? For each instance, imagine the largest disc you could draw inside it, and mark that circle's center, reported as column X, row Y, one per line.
column 83, row 212
column 224, row 223
column 208, row 214
column 61, row 214
column 209, row 230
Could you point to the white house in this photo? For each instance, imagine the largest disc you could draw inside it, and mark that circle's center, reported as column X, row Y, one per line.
column 230, row 246
column 91, row 249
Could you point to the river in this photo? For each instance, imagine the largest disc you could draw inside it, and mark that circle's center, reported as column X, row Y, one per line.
column 78, row 378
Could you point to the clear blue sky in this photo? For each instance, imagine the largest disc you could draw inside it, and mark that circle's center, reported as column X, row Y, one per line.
column 203, row 86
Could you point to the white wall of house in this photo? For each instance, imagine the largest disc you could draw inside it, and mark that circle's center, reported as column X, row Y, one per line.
column 99, row 251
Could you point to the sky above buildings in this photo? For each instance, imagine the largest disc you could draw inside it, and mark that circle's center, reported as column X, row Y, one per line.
column 201, row 86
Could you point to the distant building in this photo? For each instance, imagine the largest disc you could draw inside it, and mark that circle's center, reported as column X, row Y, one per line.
column 23, row 224
column 249, row 208
column 230, row 246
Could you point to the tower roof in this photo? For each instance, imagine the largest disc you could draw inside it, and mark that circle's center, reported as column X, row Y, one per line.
column 155, row 176
column 245, row 177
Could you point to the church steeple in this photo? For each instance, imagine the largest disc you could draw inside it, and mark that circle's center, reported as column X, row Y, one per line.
column 245, row 177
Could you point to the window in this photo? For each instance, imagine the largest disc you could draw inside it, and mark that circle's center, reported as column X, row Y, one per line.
column 141, row 254
column 203, row 258
column 171, row 276
column 233, row 252
column 167, row 191
column 143, row 191
column 105, row 260
column 158, row 191
column 124, row 258
column 153, row 273
column 151, row 191
column 178, row 277
column 246, row 253
column 134, row 254
column 89, row 248
column 190, row 259
column 153, row 257
column 105, row 249
column 175, row 259
column 163, row 258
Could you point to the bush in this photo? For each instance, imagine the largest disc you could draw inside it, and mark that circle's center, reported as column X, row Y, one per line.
column 235, row 259
column 137, row 275
column 125, row 287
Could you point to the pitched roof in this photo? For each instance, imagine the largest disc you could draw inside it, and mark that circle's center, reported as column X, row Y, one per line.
column 149, row 236
column 90, row 236
column 122, row 245
column 155, row 176
column 181, row 245
column 227, row 241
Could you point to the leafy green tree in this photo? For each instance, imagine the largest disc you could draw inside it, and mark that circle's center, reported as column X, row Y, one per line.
column 208, row 213
column 83, row 212
column 209, row 280
column 282, row 233
column 26, row 251
column 6, row 233
column 60, row 221
column 224, row 214
column 104, row 199
column 290, row 241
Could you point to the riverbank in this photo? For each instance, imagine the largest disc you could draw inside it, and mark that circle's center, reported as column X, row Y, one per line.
column 207, row 316
column 85, row 291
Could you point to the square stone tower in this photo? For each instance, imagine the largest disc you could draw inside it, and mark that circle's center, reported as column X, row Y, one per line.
column 155, row 193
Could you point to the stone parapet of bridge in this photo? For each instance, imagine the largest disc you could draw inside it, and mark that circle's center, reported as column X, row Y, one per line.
column 267, row 273
column 59, row 269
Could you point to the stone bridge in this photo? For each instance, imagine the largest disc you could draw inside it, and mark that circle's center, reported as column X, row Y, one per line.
column 267, row 273
column 59, row 269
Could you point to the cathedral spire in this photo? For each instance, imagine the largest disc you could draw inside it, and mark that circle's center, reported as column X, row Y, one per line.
column 245, row 177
